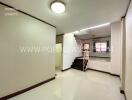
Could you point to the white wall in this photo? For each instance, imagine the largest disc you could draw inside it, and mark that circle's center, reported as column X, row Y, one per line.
column 116, row 47
column 128, row 81
column 99, row 64
column 96, row 54
column 102, row 64
column 20, row 70
column 113, row 66
column 70, row 50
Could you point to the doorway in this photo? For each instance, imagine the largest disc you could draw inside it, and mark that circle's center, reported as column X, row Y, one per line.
column 58, row 56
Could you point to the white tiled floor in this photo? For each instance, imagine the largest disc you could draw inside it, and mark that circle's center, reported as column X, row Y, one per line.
column 77, row 85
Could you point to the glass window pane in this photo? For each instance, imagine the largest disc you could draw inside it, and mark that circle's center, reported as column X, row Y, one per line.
column 98, row 50
column 104, row 47
column 101, row 47
column 98, row 45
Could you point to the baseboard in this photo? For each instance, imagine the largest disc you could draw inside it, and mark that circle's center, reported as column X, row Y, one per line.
column 115, row 75
column 86, row 69
column 123, row 92
column 66, row 69
column 25, row 90
column 104, row 72
column 125, row 96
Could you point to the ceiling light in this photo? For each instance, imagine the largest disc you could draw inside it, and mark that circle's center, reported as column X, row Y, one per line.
column 95, row 26
column 58, row 7
column 76, row 32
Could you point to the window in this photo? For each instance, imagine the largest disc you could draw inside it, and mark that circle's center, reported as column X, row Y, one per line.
column 101, row 47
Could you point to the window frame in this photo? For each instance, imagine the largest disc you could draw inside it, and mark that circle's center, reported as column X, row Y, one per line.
column 102, row 47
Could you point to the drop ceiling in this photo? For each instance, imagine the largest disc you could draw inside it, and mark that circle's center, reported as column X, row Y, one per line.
column 79, row 13
column 104, row 31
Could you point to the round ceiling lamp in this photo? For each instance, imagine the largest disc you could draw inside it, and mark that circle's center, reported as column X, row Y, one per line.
column 58, row 7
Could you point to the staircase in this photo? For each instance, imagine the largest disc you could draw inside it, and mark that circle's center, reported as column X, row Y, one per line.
column 80, row 64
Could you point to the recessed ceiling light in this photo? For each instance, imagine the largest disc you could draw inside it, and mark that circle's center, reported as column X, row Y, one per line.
column 87, row 29
column 58, row 7
column 95, row 26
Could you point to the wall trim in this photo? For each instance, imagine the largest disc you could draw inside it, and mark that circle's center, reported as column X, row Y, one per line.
column 27, row 14
column 59, row 34
column 123, row 92
column 26, row 89
column 95, row 70
column 104, row 72
column 66, row 69
column 100, row 57
column 127, row 9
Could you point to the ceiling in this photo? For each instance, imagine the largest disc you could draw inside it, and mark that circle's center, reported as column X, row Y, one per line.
column 79, row 13
column 94, row 33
